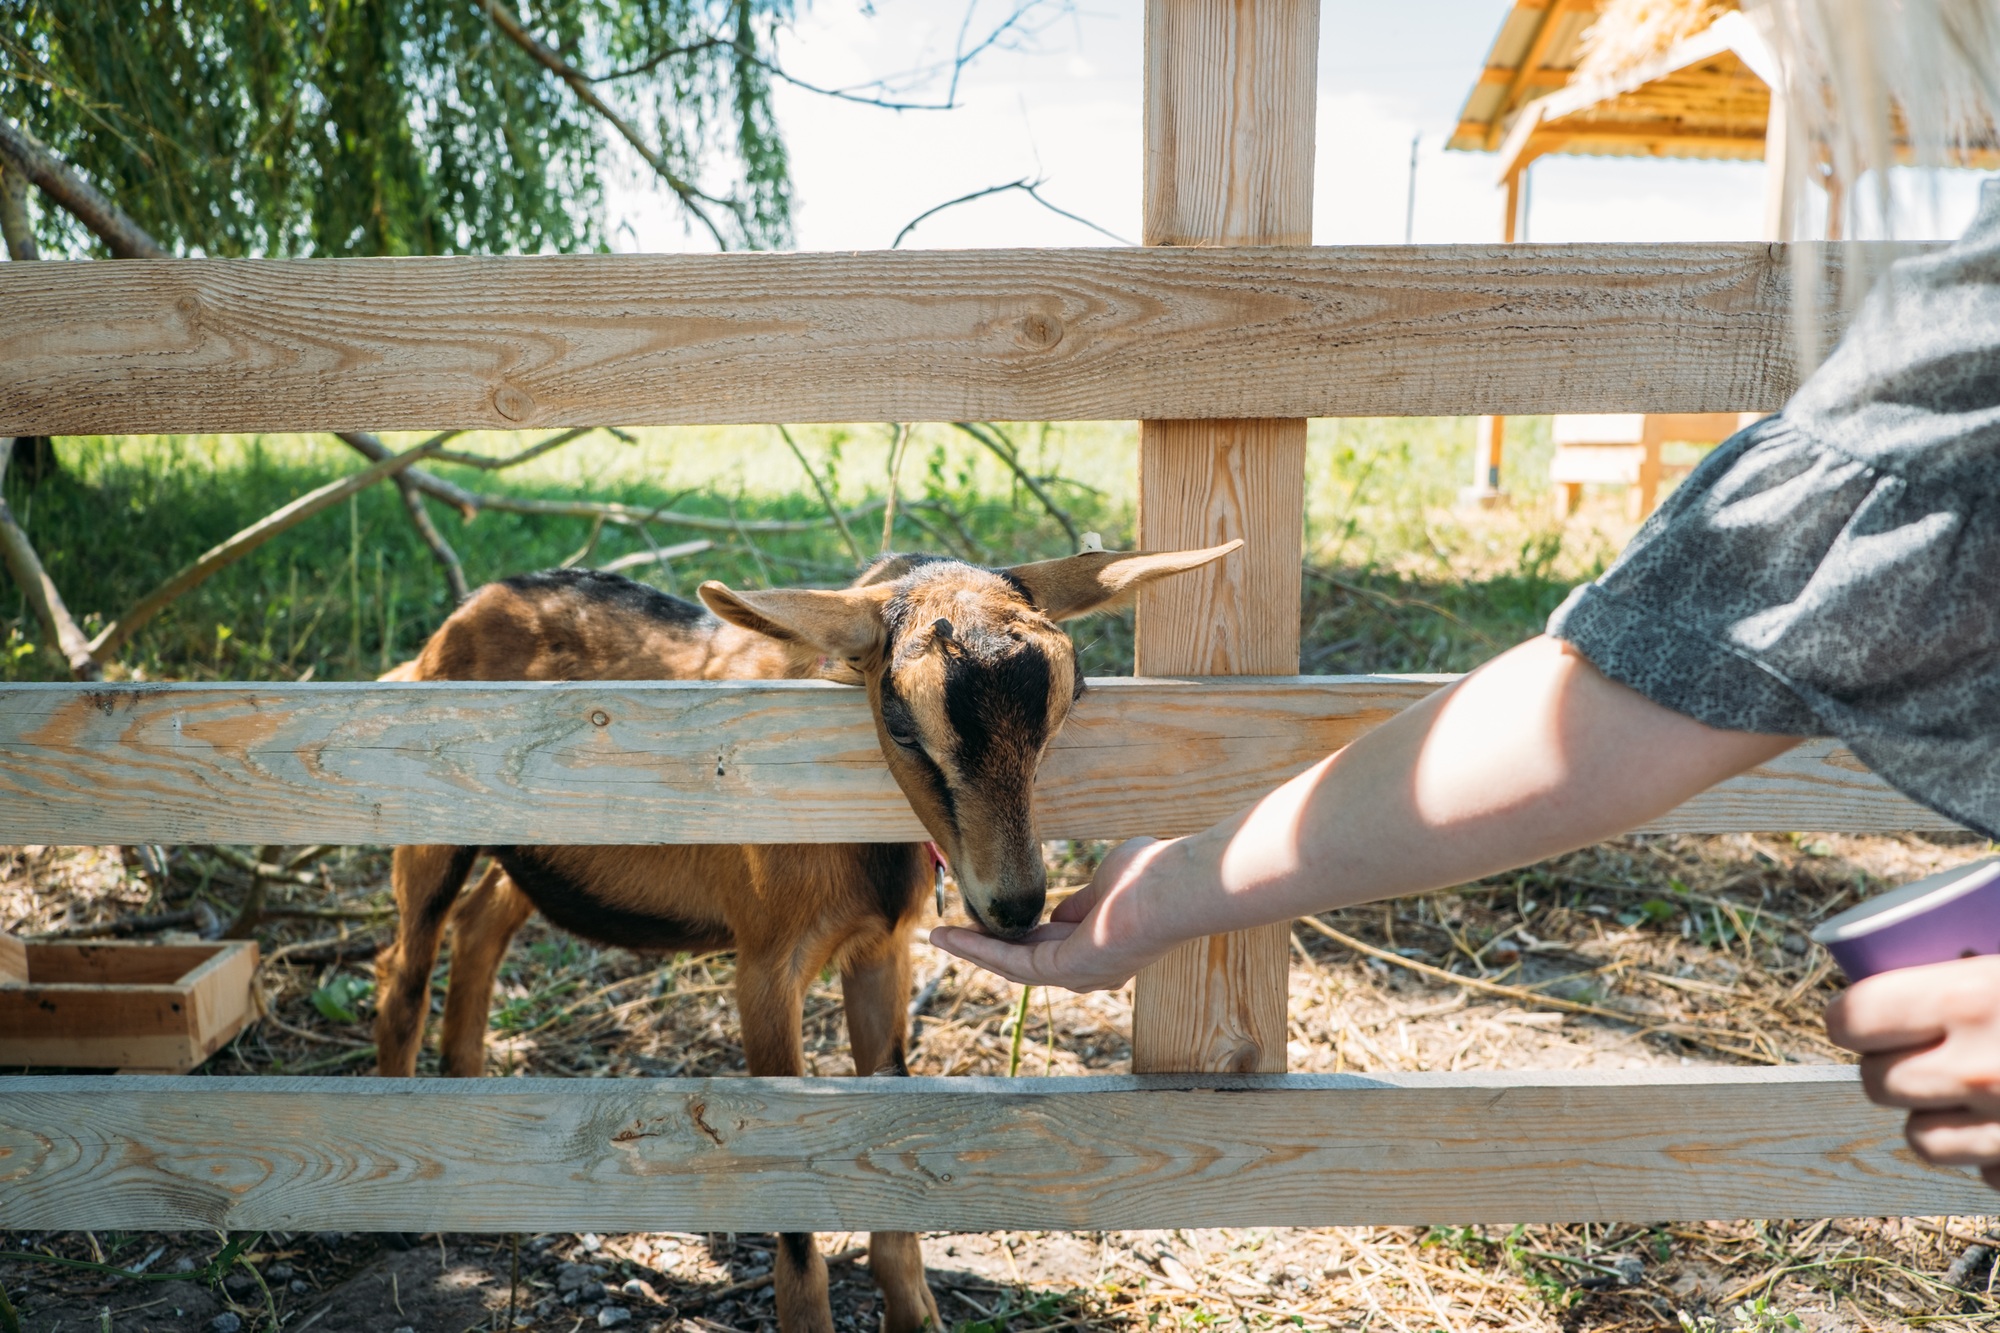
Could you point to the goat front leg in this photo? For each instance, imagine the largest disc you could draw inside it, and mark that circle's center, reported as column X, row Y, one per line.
column 427, row 881
column 770, row 988
column 481, row 928
column 875, row 991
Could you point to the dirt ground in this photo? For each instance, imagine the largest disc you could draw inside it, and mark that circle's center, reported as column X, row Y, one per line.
column 1701, row 941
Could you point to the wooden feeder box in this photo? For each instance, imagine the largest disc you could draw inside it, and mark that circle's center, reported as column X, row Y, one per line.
column 142, row 1008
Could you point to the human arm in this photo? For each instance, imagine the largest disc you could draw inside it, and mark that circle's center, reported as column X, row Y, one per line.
column 1929, row 1041
column 1534, row 754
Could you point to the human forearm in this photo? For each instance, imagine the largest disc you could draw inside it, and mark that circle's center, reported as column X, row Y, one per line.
column 1534, row 754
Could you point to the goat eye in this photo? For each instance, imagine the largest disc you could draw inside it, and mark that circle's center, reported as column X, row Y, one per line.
column 903, row 738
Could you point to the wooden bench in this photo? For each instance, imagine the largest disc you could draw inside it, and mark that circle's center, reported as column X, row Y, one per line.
column 1624, row 449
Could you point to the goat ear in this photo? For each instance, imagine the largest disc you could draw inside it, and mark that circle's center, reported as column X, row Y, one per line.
column 1076, row 585
column 844, row 623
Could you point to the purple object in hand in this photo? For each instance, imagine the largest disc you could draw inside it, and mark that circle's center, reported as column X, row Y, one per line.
column 1936, row 919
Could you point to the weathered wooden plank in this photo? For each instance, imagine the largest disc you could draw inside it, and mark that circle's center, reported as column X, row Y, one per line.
column 1164, row 332
column 764, row 761
column 1231, row 91
column 955, row 1154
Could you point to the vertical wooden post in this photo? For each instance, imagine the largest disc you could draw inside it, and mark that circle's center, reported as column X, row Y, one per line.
column 1780, row 192
column 1231, row 93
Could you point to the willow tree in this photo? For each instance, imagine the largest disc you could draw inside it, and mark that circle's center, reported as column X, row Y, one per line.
column 381, row 127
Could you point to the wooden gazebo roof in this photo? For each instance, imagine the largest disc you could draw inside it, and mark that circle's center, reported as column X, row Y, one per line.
column 1704, row 97
column 1707, row 95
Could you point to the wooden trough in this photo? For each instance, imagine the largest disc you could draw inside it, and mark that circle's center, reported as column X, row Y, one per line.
column 140, row 1008
column 1221, row 340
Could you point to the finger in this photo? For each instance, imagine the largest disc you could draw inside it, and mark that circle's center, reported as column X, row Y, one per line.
column 1955, row 1138
column 1012, row 961
column 1889, row 1011
column 1915, row 1080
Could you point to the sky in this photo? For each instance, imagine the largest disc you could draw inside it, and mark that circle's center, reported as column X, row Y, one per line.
column 1062, row 106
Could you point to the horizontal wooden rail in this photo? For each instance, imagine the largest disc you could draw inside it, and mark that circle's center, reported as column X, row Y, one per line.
column 933, row 1154
column 766, row 761
column 420, row 343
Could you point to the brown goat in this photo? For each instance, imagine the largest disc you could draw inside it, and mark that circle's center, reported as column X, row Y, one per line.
column 969, row 680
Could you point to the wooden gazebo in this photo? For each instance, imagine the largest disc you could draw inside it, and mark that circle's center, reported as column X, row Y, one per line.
column 1635, row 78
column 1695, row 83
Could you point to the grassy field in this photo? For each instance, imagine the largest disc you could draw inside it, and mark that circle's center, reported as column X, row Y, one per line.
column 1399, row 582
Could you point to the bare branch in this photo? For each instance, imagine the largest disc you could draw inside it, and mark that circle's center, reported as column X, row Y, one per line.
column 420, row 519
column 961, row 58
column 119, row 632
column 996, row 440
column 826, row 498
column 125, row 238
column 485, row 464
column 25, row 567
column 659, row 555
column 1031, row 188
column 691, row 198
column 369, row 447
column 899, row 444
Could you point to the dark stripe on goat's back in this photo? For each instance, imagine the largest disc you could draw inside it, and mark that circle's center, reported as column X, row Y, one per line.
column 570, row 904
column 613, row 591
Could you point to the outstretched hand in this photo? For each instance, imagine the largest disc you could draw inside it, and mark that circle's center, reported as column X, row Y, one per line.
column 1929, row 1039
column 1097, row 939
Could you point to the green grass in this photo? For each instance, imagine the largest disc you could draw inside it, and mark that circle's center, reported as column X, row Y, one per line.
column 1401, row 581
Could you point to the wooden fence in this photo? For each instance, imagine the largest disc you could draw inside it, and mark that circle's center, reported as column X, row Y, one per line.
column 1220, row 341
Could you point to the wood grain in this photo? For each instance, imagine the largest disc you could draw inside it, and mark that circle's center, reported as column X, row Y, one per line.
column 1161, row 333
column 1231, row 91
column 956, row 1154
column 766, row 761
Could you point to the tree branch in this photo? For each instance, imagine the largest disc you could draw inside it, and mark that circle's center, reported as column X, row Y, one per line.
column 25, row 567
column 1003, row 449
column 1027, row 186
column 826, row 498
column 690, row 197
column 14, row 228
column 420, row 519
column 125, row 238
column 119, row 632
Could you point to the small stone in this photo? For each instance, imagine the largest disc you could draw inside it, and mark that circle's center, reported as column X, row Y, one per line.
column 587, row 1310
column 642, row 1289
column 184, row 1264
column 1631, row 1269
column 571, row 1277
column 591, row 1241
column 1793, row 942
column 300, row 1286
column 278, row 1273
column 239, row 1284
column 613, row 1316
column 226, row 1322
column 590, row 1291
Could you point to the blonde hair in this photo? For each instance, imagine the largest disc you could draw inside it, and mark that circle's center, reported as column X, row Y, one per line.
column 1871, row 84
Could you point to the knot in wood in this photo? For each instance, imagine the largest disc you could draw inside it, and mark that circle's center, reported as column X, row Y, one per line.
column 512, row 403
column 1041, row 332
column 599, row 718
